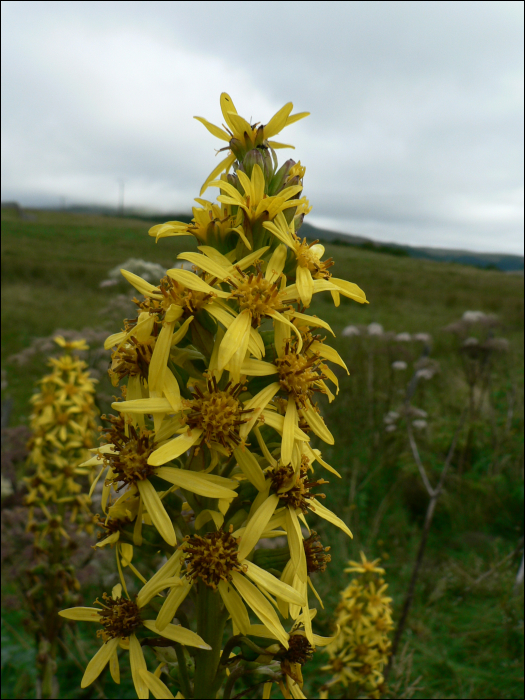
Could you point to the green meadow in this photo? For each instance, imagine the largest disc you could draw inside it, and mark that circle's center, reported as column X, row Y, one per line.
column 464, row 634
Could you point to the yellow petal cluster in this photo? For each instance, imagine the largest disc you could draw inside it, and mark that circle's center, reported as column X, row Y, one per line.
column 63, row 430
column 209, row 452
column 360, row 652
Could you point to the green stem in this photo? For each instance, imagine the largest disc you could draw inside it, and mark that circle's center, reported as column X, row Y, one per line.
column 183, row 671
column 211, row 617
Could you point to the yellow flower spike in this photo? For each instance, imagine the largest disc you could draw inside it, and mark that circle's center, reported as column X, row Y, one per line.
column 199, row 389
column 361, row 650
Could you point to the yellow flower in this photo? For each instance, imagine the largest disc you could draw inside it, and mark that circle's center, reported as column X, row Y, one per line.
column 365, row 566
column 243, row 137
column 127, row 457
column 312, row 275
column 121, row 620
column 218, row 560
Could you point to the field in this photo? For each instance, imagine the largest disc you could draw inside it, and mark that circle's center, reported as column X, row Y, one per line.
column 464, row 637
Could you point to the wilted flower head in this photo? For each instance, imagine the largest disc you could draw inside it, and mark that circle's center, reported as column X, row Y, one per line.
column 375, row 329
column 420, row 424
column 391, row 417
column 473, row 316
column 399, row 365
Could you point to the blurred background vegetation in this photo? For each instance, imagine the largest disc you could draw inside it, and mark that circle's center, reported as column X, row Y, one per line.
column 464, row 637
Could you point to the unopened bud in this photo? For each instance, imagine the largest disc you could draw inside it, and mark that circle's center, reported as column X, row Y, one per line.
column 252, row 158
column 278, row 180
column 238, row 148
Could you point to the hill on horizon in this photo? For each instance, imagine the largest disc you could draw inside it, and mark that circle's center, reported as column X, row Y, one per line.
column 505, row 262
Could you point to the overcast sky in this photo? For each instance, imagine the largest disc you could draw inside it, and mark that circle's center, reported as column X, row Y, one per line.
column 416, row 127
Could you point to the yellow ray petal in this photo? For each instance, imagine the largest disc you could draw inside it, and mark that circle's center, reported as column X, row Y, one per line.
column 172, row 602
column 246, row 184
column 278, row 121
column 178, row 634
column 328, row 353
column 114, row 668
column 157, row 512
column 214, row 255
column 314, row 455
column 157, row 688
column 145, row 323
column 149, row 290
column 98, row 662
column 236, row 335
column 138, row 664
column 249, row 259
column 275, row 145
column 159, row 359
column 223, row 165
column 143, row 406
column 83, row 614
column 260, row 606
column 191, row 281
column 295, row 117
column 276, row 421
column 235, row 606
column 208, row 485
column 171, row 391
column 174, row 448
column 317, row 424
column 305, row 285
column 257, row 368
column 232, row 192
column 295, row 542
column 150, row 589
column 291, row 419
column 280, row 232
column 311, row 321
column 227, row 107
column 250, row 467
column 215, row 130
column 323, row 512
column 257, row 525
column 240, row 125
column 179, row 334
column 207, row 264
column 258, row 403
column 272, row 584
column 276, row 263
column 350, row 290
column 279, row 317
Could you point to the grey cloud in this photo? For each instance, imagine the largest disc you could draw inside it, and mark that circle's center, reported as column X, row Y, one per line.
column 417, row 120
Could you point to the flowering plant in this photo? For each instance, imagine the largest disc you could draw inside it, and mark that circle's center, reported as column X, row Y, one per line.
column 208, row 454
column 63, row 429
column 362, row 648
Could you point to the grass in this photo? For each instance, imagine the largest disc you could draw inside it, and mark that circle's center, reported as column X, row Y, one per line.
column 465, row 640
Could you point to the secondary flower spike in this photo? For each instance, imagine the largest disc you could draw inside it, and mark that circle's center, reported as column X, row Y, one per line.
column 212, row 447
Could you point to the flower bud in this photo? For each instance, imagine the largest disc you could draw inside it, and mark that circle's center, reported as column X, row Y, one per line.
column 251, row 158
column 278, row 180
column 238, row 148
